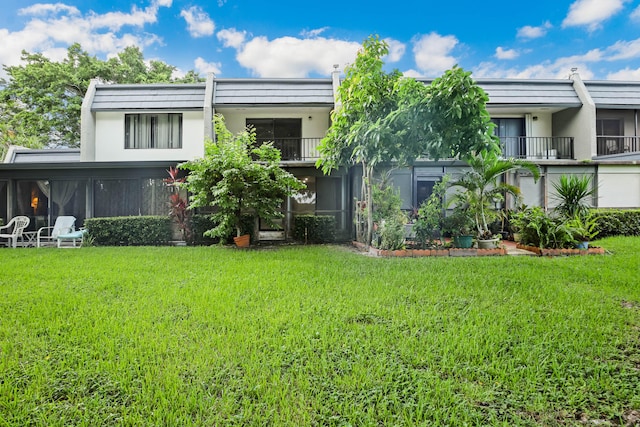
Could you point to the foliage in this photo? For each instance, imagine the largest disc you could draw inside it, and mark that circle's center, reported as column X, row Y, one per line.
column 315, row 228
column 129, row 230
column 460, row 222
column 431, row 215
column 384, row 118
column 617, row 222
column 178, row 205
column 448, row 119
column 236, row 177
column 388, row 216
column 392, row 234
column 386, row 201
column 537, row 228
column 208, row 336
column 481, row 186
column 41, row 101
column 584, row 227
column 572, row 193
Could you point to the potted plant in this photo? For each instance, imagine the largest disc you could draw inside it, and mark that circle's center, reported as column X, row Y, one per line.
column 482, row 188
column 459, row 224
column 583, row 229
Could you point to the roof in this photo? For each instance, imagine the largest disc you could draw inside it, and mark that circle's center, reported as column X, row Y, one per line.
column 614, row 94
column 530, row 92
column 149, row 97
column 239, row 92
column 27, row 155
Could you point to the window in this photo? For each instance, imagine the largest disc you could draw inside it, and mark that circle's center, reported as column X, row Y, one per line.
column 610, row 140
column 284, row 133
column 511, row 133
column 144, row 131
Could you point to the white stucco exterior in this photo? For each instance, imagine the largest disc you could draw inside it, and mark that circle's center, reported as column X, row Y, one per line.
column 619, row 186
column 110, row 135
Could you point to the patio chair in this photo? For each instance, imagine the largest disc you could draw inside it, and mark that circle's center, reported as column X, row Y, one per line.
column 76, row 238
column 48, row 235
column 14, row 230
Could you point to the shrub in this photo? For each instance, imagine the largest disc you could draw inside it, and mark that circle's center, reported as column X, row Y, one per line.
column 392, row 233
column 199, row 224
column 617, row 222
column 315, row 228
column 129, row 230
column 539, row 229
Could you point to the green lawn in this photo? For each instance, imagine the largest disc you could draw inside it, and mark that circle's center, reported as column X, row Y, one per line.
column 315, row 336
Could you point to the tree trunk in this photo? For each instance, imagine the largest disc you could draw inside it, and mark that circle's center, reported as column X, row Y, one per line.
column 367, row 172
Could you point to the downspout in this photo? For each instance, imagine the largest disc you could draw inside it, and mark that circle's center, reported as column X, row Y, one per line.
column 208, row 110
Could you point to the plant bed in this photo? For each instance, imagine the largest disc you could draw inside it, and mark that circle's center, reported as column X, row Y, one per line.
column 418, row 253
column 594, row 250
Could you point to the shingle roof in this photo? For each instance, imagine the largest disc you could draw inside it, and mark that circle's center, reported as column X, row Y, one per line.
column 237, row 92
column 530, row 92
column 149, row 97
column 614, row 94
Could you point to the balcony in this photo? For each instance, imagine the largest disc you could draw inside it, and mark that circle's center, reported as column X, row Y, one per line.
column 538, row 147
column 607, row 145
column 296, row 149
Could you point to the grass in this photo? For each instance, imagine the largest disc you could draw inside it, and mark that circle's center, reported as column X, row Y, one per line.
column 317, row 336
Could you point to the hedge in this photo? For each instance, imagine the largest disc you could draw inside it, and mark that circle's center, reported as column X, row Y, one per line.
column 129, row 230
column 315, row 228
column 617, row 222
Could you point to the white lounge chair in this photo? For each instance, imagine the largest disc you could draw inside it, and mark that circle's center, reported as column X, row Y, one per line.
column 63, row 225
column 14, row 230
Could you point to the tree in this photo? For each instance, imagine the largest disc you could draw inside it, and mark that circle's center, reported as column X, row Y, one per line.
column 358, row 134
column 482, row 186
column 40, row 104
column 384, row 118
column 236, row 177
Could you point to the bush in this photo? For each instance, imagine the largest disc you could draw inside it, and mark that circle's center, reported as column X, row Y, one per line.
column 129, row 230
column 199, row 224
column 539, row 229
column 617, row 222
column 315, row 228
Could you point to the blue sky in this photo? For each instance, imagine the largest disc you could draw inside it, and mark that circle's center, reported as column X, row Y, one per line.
column 247, row 38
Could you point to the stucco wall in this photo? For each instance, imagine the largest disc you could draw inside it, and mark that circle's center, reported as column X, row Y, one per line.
column 109, row 145
column 619, row 186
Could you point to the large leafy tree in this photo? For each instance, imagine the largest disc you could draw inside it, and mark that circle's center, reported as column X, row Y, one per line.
column 237, row 176
column 40, row 102
column 359, row 133
column 384, row 118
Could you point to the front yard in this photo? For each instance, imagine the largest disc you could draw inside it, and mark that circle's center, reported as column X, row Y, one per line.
column 317, row 336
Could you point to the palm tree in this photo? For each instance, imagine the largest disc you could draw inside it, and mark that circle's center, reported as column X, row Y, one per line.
column 482, row 186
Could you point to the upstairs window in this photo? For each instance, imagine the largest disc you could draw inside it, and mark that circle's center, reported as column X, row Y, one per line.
column 150, row 131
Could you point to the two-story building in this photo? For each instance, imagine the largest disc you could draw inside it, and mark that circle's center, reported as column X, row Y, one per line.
column 131, row 135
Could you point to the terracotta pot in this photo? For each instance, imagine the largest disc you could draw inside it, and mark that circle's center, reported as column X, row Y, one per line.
column 242, row 241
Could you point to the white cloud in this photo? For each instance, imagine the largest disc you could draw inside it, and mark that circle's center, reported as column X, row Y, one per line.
column 396, row 50
column 293, row 57
column 198, row 22
column 232, row 37
column 591, row 13
column 506, row 53
column 635, row 15
column 529, row 32
column 433, row 53
column 623, row 50
column 41, row 9
column 203, row 67
column 313, row 33
column 627, row 74
column 52, row 28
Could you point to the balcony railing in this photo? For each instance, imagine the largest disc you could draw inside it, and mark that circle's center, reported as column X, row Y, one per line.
column 300, row 149
column 617, row 145
column 537, row 147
